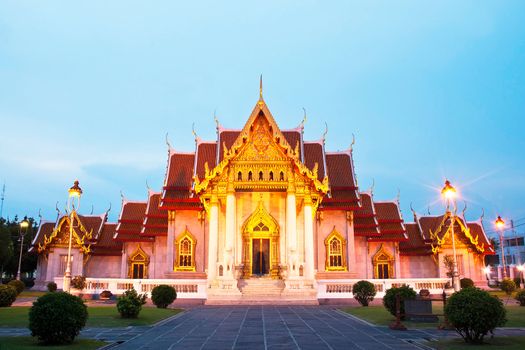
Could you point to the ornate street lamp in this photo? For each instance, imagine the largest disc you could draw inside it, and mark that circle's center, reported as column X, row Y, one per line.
column 74, row 195
column 520, row 269
column 500, row 225
column 22, row 231
column 450, row 193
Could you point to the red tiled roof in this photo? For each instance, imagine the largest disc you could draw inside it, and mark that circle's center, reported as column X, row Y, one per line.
column 313, row 153
column 156, row 220
column 227, row 137
column 415, row 244
column 45, row 229
column 390, row 222
column 130, row 222
column 106, row 244
column 365, row 222
column 428, row 224
column 293, row 137
column 206, row 152
column 179, row 179
column 343, row 188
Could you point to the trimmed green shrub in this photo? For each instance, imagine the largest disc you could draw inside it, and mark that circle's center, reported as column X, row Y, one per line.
column 507, row 285
column 163, row 295
column 520, row 297
column 28, row 282
column 473, row 313
column 57, row 318
column 364, row 292
column 51, row 287
column 389, row 300
column 466, row 283
column 130, row 303
column 78, row 282
column 18, row 285
column 517, row 282
column 7, row 295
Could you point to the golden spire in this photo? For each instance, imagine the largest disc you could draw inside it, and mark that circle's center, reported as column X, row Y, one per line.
column 260, row 88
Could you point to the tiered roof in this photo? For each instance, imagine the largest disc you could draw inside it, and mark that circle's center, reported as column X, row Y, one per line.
column 91, row 233
column 131, row 219
column 427, row 234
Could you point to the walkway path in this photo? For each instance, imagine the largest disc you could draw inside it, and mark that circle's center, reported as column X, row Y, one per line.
column 266, row 327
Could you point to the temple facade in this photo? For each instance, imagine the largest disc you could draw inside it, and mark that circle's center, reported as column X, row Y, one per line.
column 259, row 211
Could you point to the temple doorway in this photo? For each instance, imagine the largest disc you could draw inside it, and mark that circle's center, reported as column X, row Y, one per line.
column 261, row 255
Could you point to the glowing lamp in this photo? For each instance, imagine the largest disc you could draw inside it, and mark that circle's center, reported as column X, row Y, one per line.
column 448, row 191
column 520, row 267
column 24, row 224
column 75, row 190
column 486, row 269
column 499, row 223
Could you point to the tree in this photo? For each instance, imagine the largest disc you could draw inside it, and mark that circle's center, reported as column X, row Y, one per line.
column 6, row 247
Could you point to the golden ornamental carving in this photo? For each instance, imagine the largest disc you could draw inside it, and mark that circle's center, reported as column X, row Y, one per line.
column 439, row 242
column 60, row 237
column 335, row 247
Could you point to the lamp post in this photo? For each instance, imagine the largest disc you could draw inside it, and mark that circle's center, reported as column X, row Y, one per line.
column 22, row 231
column 500, row 224
column 487, row 270
column 74, row 193
column 520, row 269
column 449, row 193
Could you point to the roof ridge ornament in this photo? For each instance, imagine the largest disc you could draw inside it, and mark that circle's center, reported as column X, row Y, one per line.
column 218, row 125
column 326, row 132
column 260, row 88
column 301, row 125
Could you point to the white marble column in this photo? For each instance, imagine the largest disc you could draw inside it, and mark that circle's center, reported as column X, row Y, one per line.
column 124, row 265
column 308, row 238
column 397, row 262
column 213, row 238
column 350, row 241
column 170, row 241
column 230, row 233
column 291, row 232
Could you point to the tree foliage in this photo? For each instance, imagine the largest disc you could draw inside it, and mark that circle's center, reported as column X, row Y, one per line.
column 364, row 292
column 474, row 313
column 10, row 247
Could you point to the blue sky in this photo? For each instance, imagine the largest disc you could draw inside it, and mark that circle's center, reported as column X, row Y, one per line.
column 430, row 90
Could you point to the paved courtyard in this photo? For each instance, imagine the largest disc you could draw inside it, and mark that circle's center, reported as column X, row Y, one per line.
column 267, row 327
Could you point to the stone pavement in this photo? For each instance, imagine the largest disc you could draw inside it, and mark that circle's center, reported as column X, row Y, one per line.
column 266, row 327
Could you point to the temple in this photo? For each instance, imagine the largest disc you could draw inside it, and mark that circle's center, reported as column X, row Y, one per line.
column 260, row 213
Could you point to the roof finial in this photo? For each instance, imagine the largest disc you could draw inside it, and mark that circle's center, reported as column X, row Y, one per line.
column 216, row 119
column 147, row 186
column 428, row 210
column 122, row 196
column 353, row 143
column 304, row 119
column 193, row 132
column 482, row 214
column 107, row 211
column 325, row 131
column 260, row 88
column 398, row 195
column 168, row 141
column 372, row 187
column 92, row 209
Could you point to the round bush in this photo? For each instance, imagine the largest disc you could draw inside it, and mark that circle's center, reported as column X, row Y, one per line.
column 474, row 312
column 51, row 287
column 105, row 295
column 163, row 295
column 78, row 282
column 7, row 295
column 517, row 282
column 507, row 285
column 364, row 292
column 466, row 283
column 520, row 297
column 57, row 318
column 28, row 282
column 18, row 285
column 389, row 300
column 130, row 303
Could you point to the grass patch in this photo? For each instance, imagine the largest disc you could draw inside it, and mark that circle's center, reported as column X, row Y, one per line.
column 380, row 316
column 99, row 316
column 27, row 343
column 31, row 293
column 507, row 343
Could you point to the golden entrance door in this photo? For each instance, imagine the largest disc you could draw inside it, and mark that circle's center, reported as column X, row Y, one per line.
column 261, row 256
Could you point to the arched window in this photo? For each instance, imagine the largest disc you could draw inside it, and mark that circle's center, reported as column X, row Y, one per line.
column 260, row 175
column 281, row 176
column 250, row 176
column 239, row 176
column 185, row 247
column 271, row 175
column 383, row 264
column 138, row 264
column 335, row 252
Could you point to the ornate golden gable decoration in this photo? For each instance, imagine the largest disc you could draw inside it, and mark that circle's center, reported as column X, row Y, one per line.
column 331, row 248
column 438, row 242
column 78, row 236
column 258, row 144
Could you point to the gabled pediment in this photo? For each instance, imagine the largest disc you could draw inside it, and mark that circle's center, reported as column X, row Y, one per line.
column 81, row 237
column 261, row 141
